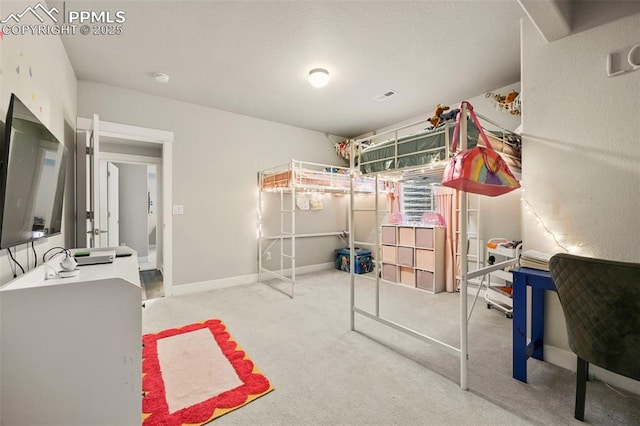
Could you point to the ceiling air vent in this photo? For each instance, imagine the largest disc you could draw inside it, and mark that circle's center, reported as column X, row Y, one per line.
column 385, row 95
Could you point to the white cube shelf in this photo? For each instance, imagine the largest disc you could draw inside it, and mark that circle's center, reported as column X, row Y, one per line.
column 413, row 255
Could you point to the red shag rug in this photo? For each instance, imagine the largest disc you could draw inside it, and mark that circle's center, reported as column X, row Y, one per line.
column 193, row 374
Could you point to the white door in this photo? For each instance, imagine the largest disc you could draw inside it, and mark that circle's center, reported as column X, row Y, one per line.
column 152, row 217
column 113, row 205
column 96, row 230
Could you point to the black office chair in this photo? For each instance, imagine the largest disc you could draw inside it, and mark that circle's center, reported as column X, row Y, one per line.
column 601, row 303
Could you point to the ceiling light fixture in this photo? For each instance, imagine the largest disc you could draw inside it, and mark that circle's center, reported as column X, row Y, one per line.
column 319, row 77
column 161, row 77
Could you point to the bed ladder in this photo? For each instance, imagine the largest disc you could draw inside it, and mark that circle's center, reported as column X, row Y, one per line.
column 284, row 235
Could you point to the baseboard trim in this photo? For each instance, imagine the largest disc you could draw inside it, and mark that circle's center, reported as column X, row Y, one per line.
column 567, row 359
column 179, row 290
column 312, row 268
column 197, row 287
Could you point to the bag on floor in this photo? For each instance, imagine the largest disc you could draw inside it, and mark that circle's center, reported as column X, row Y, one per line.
column 480, row 170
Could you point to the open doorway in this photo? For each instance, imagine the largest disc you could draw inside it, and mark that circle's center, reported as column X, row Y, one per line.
column 134, row 200
column 131, row 189
column 116, row 148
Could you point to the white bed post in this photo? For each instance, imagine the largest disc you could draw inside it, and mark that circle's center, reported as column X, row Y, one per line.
column 352, row 173
column 377, row 231
column 281, row 232
column 260, row 235
column 293, row 231
column 463, row 261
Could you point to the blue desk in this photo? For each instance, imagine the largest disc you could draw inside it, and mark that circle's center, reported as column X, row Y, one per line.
column 539, row 281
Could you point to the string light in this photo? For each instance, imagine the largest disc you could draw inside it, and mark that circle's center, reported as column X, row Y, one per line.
column 529, row 208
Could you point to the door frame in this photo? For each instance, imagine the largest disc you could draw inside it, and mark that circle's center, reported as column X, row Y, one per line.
column 134, row 134
column 107, row 175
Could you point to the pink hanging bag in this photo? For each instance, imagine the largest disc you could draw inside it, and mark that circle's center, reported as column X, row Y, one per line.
column 480, row 170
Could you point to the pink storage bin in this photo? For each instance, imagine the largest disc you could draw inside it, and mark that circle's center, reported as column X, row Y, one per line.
column 425, row 259
column 424, row 280
column 389, row 272
column 406, row 236
column 407, row 276
column 424, row 237
column 405, row 256
column 389, row 234
column 389, row 254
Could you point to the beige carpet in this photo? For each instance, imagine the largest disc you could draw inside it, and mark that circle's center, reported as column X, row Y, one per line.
column 326, row 374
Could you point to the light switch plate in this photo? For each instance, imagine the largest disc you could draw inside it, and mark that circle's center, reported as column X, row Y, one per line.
column 178, row 209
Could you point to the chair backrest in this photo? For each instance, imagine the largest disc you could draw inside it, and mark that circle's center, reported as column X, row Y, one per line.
column 601, row 303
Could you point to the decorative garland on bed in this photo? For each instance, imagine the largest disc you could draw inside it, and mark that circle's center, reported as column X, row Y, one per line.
column 343, row 149
column 510, row 102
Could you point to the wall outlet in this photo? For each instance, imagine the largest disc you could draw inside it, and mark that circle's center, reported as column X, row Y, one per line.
column 267, row 255
column 178, row 209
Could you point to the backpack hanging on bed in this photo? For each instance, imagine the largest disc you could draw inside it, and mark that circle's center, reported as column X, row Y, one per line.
column 480, row 170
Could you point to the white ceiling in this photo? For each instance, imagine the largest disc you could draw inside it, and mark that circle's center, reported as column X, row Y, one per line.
column 252, row 57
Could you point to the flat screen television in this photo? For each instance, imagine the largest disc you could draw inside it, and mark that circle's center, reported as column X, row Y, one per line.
column 32, row 173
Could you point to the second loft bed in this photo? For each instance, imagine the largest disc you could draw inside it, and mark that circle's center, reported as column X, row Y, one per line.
column 291, row 182
column 307, row 176
column 430, row 147
column 425, row 154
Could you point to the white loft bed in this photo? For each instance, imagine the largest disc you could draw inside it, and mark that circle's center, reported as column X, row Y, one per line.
column 295, row 178
column 425, row 154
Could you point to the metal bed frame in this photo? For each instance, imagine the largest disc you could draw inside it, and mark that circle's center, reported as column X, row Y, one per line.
column 433, row 169
column 335, row 179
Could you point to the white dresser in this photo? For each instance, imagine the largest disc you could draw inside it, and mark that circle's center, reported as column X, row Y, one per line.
column 70, row 348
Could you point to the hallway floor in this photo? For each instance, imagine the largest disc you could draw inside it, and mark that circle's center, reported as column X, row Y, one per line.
column 151, row 283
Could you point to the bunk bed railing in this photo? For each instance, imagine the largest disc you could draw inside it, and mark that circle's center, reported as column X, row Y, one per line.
column 424, row 121
column 435, row 158
column 310, row 176
column 442, row 151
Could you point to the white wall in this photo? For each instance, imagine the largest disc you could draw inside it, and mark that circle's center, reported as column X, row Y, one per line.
column 581, row 160
column 499, row 216
column 37, row 69
column 332, row 217
column 216, row 157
